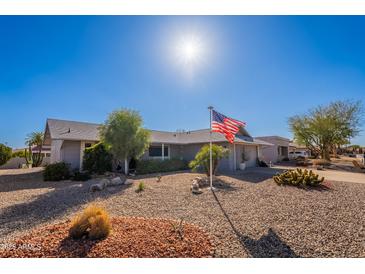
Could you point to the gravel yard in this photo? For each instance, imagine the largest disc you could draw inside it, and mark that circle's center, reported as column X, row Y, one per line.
column 249, row 215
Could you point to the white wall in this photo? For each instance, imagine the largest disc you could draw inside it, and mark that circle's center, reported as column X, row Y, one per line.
column 56, row 151
column 270, row 153
column 70, row 153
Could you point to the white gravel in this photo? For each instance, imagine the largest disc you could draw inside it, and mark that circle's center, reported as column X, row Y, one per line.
column 250, row 216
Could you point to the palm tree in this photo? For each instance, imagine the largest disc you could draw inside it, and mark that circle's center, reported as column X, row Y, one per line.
column 35, row 139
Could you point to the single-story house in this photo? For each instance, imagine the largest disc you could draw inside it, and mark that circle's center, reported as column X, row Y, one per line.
column 68, row 139
column 276, row 153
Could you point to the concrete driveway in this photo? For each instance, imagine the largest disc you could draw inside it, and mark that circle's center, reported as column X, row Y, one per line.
column 331, row 175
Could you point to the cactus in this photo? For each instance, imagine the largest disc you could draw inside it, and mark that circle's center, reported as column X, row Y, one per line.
column 28, row 157
column 33, row 160
column 298, row 177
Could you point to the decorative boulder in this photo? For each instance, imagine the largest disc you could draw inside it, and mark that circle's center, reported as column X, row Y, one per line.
column 97, row 187
column 203, row 182
column 116, row 182
column 128, row 182
column 195, row 189
column 105, row 182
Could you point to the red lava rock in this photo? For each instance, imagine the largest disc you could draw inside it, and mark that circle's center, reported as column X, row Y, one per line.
column 130, row 237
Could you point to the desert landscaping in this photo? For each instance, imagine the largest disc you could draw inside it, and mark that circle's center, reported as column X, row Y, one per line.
column 248, row 215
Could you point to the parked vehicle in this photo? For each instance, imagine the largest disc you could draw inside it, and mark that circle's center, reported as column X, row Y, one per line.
column 296, row 154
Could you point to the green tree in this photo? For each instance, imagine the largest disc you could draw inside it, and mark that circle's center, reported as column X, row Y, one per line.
column 123, row 132
column 19, row 153
column 202, row 158
column 34, row 139
column 97, row 159
column 5, row 154
column 325, row 128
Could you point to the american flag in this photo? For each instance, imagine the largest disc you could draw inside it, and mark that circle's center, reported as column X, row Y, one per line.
column 225, row 125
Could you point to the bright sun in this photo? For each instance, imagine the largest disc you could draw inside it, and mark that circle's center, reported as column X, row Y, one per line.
column 189, row 50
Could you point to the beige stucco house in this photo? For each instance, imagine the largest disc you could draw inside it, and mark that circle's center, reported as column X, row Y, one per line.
column 68, row 140
column 278, row 151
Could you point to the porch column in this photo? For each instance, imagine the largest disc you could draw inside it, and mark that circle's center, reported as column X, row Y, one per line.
column 82, row 148
column 234, row 157
column 163, row 151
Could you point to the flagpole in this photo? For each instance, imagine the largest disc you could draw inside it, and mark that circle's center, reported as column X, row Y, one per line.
column 210, row 150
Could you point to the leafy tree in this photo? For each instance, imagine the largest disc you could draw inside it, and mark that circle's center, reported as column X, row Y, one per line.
column 5, row 154
column 34, row 139
column 19, row 153
column 97, row 159
column 325, row 128
column 202, row 158
column 123, row 132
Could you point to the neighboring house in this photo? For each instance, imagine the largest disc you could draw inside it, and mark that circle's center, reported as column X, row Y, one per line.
column 276, row 153
column 18, row 162
column 298, row 149
column 68, row 139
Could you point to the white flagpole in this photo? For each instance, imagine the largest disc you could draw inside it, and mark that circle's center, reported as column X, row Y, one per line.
column 210, row 151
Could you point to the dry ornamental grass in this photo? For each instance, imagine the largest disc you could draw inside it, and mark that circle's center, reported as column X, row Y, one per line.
column 130, row 238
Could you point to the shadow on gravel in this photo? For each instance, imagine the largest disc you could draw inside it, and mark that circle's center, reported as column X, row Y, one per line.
column 76, row 248
column 52, row 205
column 268, row 246
column 254, row 175
column 13, row 182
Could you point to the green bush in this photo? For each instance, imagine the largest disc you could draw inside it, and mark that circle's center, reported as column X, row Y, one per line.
column 19, row 153
column 154, row 166
column 202, row 158
column 141, row 186
column 5, row 154
column 97, row 159
column 56, row 172
column 81, row 176
column 298, row 178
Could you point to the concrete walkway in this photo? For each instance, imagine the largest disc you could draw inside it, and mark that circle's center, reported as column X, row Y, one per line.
column 331, row 175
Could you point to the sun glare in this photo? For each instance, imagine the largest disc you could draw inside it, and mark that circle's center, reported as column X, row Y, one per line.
column 189, row 51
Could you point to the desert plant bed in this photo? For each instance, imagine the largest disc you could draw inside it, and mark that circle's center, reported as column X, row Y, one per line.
column 130, row 237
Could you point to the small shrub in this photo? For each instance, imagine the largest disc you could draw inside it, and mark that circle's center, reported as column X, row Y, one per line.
column 81, row 176
column 156, row 166
column 178, row 228
column 97, row 159
column 141, row 186
column 202, row 158
column 93, row 223
column 5, row 154
column 298, row 178
column 321, row 162
column 56, row 172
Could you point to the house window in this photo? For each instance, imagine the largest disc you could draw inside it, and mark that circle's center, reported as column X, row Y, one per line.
column 156, row 151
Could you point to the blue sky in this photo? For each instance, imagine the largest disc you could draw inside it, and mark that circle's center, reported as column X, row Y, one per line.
column 261, row 70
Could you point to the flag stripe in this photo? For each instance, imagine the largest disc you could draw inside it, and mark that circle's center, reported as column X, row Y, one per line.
column 225, row 125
